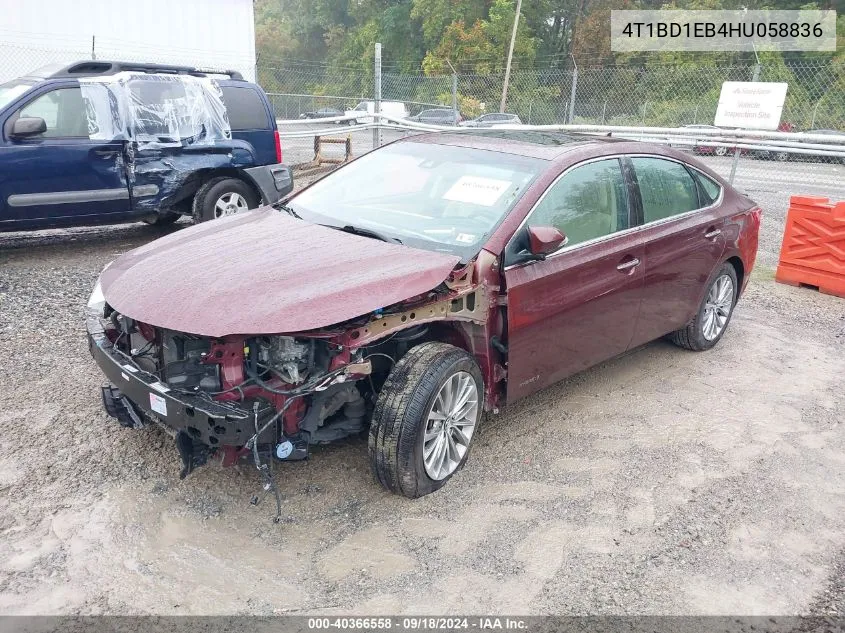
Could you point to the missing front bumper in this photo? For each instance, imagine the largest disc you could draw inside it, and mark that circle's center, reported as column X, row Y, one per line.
column 135, row 396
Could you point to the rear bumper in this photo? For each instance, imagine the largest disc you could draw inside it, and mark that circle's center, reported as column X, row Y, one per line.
column 273, row 181
column 210, row 422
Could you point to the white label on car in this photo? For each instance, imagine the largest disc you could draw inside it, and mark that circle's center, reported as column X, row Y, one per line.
column 158, row 404
column 465, row 238
column 130, row 368
column 477, row 190
column 158, row 386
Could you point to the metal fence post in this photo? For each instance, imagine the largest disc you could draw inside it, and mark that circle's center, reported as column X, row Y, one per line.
column 815, row 109
column 454, row 92
column 377, row 96
column 574, row 90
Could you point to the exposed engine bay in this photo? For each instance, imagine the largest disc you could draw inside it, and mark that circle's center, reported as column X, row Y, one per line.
column 265, row 375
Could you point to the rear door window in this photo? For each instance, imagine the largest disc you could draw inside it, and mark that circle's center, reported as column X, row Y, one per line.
column 245, row 108
column 666, row 188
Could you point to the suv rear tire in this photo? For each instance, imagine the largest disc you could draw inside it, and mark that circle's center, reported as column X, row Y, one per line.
column 223, row 196
column 425, row 418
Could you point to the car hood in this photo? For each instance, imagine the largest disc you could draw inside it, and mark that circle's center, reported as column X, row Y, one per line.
column 264, row 272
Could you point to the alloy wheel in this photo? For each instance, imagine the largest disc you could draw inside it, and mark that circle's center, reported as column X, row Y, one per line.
column 450, row 425
column 718, row 307
column 230, row 204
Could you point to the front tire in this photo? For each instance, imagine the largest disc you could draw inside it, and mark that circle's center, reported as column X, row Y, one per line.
column 714, row 314
column 425, row 418
column 223, row 196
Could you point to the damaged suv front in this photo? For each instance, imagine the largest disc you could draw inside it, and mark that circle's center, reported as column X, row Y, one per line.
column 260, row 335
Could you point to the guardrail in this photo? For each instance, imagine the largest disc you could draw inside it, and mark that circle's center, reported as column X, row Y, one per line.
column 829, row 146
column 785, row 139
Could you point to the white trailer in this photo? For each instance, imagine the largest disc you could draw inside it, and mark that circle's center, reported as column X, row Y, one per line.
column 202, row 33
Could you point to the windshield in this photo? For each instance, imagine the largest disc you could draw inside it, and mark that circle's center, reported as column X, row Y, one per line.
column 435, row 197
column 11, row 91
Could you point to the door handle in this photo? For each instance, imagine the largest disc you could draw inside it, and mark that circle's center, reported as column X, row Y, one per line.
column 106, row 152
column 628, row 264
column 713, row 233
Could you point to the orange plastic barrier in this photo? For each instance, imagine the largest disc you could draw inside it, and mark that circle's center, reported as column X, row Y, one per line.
column 813, row 249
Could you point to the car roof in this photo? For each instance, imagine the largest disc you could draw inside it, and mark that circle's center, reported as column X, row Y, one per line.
column 547, row 145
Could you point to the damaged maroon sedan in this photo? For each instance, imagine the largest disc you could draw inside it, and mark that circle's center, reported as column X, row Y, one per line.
column 424, row 283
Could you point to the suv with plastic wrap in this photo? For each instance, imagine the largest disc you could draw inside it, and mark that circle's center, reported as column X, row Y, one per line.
column 101, row 142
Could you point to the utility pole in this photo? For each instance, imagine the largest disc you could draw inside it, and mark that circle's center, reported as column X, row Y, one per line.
column 510, row 56
column 377, row 97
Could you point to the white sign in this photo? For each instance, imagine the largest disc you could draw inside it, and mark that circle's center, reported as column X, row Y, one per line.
column 477, row 190
column 753, row 105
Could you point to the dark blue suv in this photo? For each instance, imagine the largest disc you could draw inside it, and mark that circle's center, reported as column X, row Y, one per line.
column 102, row 142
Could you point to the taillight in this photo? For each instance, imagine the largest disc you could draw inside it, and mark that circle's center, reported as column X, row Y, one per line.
column 278, row 141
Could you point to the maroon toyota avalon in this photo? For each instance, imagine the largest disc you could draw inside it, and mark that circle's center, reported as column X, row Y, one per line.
column 414, row 288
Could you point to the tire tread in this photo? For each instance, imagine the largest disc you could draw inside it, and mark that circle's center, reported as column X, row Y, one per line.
column 399, row 407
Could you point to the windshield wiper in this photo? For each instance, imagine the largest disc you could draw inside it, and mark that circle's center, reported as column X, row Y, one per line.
column 281, row 206
column 355, row 230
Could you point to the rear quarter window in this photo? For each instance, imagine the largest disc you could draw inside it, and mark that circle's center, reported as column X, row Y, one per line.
column 245, row 108
column 710, row 189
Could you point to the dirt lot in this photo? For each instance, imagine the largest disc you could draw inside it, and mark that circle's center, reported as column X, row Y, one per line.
column 663, row 482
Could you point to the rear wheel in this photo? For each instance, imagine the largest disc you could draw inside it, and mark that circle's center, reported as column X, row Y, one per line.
column 425, row 419
column 721, row 151
column 220, row 197
column 714, row 314
column 781, row 156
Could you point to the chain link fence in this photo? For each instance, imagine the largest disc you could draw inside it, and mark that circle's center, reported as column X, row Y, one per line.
column 664, row 95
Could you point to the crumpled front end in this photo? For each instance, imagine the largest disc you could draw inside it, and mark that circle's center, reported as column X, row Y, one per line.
column 269, row 396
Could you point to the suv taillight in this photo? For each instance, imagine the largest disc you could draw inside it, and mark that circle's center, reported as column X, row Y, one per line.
column 278, row 146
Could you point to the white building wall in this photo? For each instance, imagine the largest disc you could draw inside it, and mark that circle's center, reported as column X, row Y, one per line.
column 206, row 33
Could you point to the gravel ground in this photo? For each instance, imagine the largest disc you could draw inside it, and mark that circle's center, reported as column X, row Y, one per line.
column 662, row 482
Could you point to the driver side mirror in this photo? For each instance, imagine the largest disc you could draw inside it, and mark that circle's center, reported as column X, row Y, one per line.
column 544, row 240
column 534, row 243
column 28, row 126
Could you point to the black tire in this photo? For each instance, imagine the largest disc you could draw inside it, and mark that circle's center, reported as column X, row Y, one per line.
column 210, row 192
column 163, row 219
column 781, row 157
column 692, row 336
column 400, row 416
